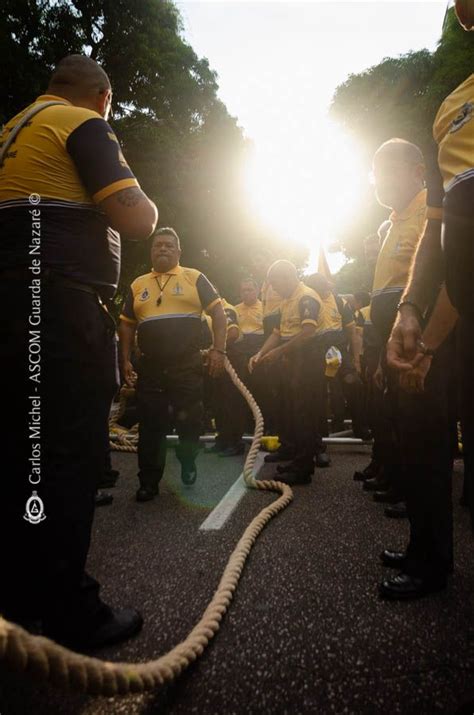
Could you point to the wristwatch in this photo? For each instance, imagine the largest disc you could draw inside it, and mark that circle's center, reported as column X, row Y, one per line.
column 424, row 349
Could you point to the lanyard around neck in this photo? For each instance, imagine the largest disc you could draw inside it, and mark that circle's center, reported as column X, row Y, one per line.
column 158, row 300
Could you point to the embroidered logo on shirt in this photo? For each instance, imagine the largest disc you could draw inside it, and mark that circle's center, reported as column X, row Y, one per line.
column 177, row 290
column 464, row 116
column 145, row 295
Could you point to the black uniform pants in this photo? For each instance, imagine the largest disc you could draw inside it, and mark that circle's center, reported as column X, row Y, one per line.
column 303, row 401
column 55, row 445
column 458, row 244
column 168, row 395
column 428, row 436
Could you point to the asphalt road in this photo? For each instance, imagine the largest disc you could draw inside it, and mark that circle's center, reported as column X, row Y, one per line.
column 306, row 632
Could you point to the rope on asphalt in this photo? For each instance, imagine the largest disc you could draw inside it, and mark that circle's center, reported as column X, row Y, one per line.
column 121, row 439
column 42, row 658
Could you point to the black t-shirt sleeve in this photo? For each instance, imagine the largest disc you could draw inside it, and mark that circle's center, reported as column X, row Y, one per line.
column 206, row 291
column 98, row 158
column 347, row 315
column 345, row 311
column 127, row 310
column 231, row 317
column 271, row 322
column 308, row 308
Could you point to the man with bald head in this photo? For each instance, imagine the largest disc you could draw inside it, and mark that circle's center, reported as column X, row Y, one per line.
column 418, row 439
column 67, row 194
column 295, row 348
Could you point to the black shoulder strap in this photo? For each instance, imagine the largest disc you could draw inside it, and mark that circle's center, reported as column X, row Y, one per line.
column 24, row 120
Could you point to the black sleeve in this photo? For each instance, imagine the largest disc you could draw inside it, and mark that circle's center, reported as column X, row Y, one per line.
column 345, row 311
column 271, row 322
column 347, row 315
column 308, row 308
column 99, row 161
column 231, row 316
column 127, row 310
column 206, row 291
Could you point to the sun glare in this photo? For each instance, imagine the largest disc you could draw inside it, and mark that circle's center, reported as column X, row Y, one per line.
column 307, row 185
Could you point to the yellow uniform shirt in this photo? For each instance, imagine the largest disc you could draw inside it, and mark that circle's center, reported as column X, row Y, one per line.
column 394, row 260
column 303, row 307
column 453, row 131
column 369, row 340
column 167, row 309
column 250, row 318
column 330, row 322
column 365, row 315
column 71, row 158
column 251, row 324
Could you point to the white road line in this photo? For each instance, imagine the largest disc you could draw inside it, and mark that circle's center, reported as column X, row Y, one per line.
column 219, row 515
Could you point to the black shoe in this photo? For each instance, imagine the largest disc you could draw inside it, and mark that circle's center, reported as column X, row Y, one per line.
column 374, row 484
column 285, row 468
column 281, row 455
column 146, row 494
column 322, row 460
column 369, row 472
column 115, row 627
column 216, row 449
column 295, row 478
column 364, row 434
column 103, row 498
column 232, row 451
column 295, row 467
column 393, row 559
column 386, row 497
column 404, row 587
column 109, row 479
column 188, row 474
column 396, row 511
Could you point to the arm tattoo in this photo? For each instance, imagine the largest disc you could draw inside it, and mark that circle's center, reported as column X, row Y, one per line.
column 130, row 197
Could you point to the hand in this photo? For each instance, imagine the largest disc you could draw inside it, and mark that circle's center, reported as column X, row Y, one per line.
column 271, row 357
column 215, row 362
column 413, row 381
column 357, row 366
column 378, row 377
column 128, row 373
column 402, row 347
column 254, row 362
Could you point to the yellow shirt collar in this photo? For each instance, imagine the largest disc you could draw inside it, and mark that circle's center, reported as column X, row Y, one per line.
column 172, row 272
column 52, row 98
column 418, row 202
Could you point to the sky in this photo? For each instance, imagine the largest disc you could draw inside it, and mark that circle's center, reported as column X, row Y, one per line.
column 278, row 65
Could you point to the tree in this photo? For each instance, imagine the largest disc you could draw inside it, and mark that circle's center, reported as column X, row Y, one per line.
column 185, row 149
column 399, row 98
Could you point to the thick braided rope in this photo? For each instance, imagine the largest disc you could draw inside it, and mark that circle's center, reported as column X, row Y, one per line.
column 122, row 441
column 42, row 658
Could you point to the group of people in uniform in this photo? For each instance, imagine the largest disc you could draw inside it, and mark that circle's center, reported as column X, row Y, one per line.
column 65, row 184
column 277, row 343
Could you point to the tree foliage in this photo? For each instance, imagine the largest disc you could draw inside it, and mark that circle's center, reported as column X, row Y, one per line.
column 399, row 98
column 185, row 149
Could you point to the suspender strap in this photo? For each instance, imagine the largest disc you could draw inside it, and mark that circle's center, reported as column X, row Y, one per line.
column 24, row 120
